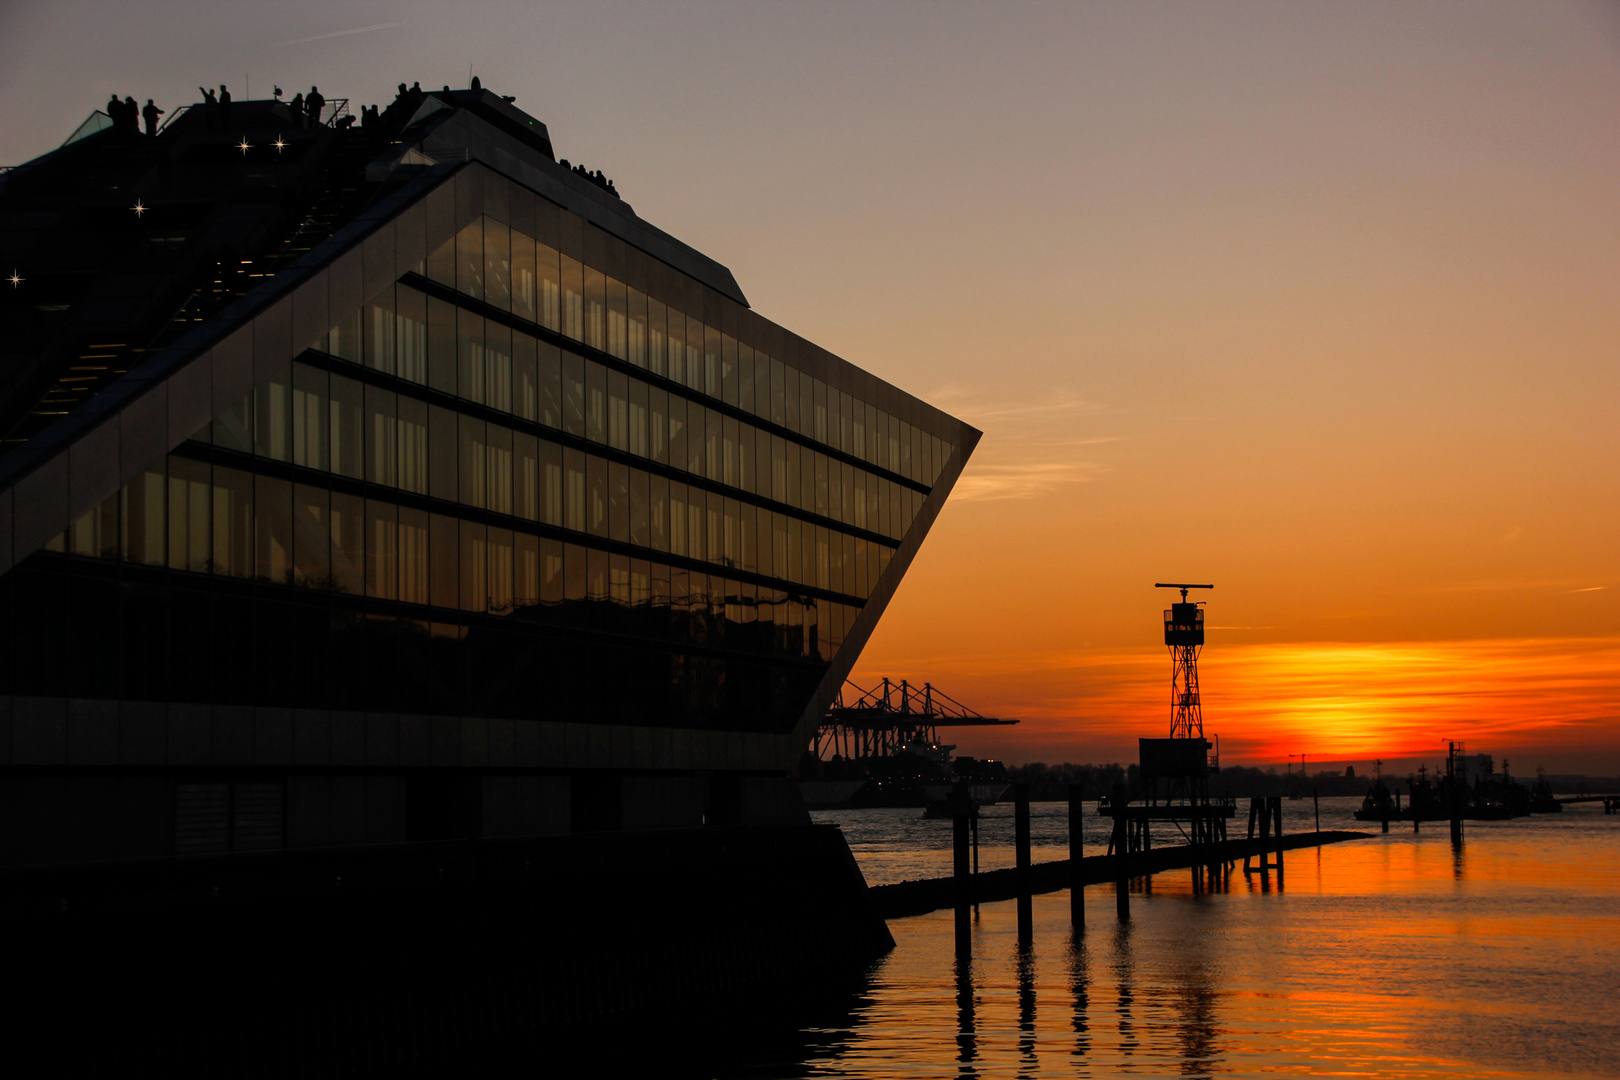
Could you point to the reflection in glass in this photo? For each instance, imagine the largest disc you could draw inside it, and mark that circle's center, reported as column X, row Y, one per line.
column 348, row 543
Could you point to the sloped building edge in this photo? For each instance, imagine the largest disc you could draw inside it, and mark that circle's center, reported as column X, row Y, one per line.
column 71, row 467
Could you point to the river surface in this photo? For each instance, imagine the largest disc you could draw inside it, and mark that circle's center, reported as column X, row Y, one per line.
column 1391, row 956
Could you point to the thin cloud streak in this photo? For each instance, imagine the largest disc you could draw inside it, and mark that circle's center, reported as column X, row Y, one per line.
column 340, row 33
column 1509, row 586
column 982, row 483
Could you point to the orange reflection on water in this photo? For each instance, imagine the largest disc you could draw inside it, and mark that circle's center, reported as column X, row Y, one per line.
column 1391, row 956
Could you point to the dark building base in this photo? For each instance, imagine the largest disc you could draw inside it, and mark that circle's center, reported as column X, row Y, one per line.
column 430, row 956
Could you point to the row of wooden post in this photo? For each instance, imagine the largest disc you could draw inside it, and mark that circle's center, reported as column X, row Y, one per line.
column 963, row 826
column 1265, row 815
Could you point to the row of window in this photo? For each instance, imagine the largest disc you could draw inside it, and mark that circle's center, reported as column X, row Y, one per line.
column 490, row 262
column 335, row 424
column 209, row 518
column 486, row 363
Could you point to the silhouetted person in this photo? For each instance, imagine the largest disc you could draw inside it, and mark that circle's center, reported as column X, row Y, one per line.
column 401, row 91
column 476, row 85
column 150, row 114
column 297, row 107
column 224, row 106
column 210, row 105
column 416, row 87
column 119, row 114
column 313, row 104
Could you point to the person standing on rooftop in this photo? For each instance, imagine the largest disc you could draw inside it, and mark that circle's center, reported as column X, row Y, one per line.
column 224, row 107
column 210, row 107
column 313, row 105
column 150, row 114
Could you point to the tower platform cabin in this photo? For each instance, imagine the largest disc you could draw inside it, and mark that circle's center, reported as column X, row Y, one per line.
column 408, row 553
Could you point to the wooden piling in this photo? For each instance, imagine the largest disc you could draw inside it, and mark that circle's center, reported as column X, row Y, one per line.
column 1077, row 892
column 1276, row 812
column 973, row 825
column 1316, row 801
column 961, row 808
column 1265, row 836
column 1026, row 918
column 1122, row 883
column 1258, row 827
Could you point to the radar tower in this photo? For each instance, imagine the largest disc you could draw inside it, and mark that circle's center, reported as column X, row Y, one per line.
column 1184, row 635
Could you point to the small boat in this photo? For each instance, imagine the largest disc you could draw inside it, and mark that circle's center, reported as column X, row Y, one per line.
column 1542, row 800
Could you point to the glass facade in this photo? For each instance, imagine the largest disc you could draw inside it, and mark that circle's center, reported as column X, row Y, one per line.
column 507, row 483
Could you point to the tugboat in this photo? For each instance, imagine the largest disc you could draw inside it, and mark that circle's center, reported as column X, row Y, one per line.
column 1541, row 796
column 1379, row 805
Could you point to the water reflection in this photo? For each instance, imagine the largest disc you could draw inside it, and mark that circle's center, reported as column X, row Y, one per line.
column 1353, row 970
column 1080, row 988
column 1024, row 962
column 967, row 1043
column 1214, row 878
column 1125, row 994
column 1194, row 1004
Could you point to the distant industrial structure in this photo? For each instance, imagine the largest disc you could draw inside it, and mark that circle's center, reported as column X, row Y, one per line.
column 882, row 747
column 1174, row 772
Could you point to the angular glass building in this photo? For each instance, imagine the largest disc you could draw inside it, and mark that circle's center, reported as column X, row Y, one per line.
column 396, row 484
column 496, row 479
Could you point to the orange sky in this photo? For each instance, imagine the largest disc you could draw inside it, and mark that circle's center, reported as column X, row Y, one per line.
column 1320, row 303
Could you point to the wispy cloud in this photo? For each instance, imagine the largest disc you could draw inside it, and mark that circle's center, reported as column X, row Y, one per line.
column 340, row 33
column 1031, row 446
column 983, row 482
column 1509, row 585
column 980, row 408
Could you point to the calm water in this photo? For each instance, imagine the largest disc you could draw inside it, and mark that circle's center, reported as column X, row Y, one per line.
column 1392, row 956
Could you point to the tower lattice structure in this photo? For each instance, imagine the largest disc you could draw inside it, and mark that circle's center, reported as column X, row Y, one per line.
column 1184, row 636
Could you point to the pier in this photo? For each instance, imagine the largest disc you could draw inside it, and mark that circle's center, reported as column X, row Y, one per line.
column 934, row 894
column 1611, row 803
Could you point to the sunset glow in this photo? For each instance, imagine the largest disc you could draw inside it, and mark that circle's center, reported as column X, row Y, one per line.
column 1537, row 701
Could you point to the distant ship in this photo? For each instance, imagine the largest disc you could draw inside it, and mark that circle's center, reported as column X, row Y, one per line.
column 917, row 775
column 1492, row 796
